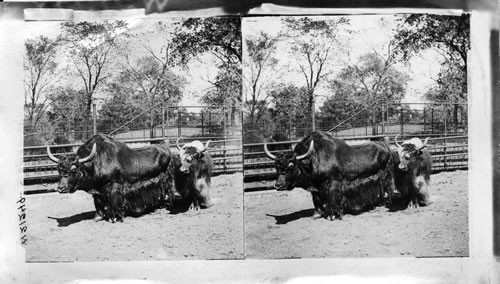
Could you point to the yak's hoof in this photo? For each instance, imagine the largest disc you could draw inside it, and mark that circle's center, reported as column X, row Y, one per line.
column 317, row 215
column 331, row 218
column 98, row 218
column 194, row 207
column 413, row 205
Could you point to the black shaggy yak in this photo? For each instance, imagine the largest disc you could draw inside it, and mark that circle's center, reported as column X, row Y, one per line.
column 118, row 177
column 341, row 178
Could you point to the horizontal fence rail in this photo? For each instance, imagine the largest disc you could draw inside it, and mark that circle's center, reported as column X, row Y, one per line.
column 39, row 169
column 448, row 153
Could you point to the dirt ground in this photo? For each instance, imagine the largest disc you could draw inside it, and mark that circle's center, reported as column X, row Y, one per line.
column 280, row 225
column 60, row 228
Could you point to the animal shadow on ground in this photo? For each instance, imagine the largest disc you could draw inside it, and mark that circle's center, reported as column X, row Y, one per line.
column 283, row 219
column 66, row 221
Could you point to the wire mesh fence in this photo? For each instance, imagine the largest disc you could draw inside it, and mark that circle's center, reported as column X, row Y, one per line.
column 434, row 119
column 70, row 126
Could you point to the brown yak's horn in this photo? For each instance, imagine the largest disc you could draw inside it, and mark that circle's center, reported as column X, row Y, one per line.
column 271, row 156
column 425, row 142
column 396, row 141
column 308, row 153
column 89, row 157
column 52, row 157
column 177, row 144
column 206, row 146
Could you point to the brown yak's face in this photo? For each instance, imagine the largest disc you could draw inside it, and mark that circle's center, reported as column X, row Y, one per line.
column 189, row 157
column 70, row 173
column 287, row 170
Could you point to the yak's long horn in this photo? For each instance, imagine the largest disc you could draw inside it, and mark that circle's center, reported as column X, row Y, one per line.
column 52, row 157
column 425, row 142
column 396, row 141
column 271, row 156
column 177, row 144
column 308, row 153
column 89, row 157
column 206, row 146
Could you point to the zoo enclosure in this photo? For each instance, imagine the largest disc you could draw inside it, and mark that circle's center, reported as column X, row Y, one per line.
column 221, row 125
column 385, row 118
column 69, row 126
column 38, row 169
column 448, row 153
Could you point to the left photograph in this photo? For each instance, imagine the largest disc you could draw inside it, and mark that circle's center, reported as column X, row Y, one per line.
column 133, row 140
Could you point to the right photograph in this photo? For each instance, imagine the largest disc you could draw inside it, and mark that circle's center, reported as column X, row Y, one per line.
column 355, row 135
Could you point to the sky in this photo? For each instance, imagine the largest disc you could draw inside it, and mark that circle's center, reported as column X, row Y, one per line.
column 369, row 32
column 197, row 74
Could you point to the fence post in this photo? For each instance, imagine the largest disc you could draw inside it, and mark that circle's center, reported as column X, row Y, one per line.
column 168, row 120
column 163, row 122
column 401, row 112
column 424, row 120
column 202, row 126
column 383, row 120
column 94, row 118
column 179, row 125
column 225, row 136
column 445, row 131
column 432, row 119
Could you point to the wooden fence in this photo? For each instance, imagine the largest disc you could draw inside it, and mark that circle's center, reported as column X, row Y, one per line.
column 38, row 169
column 448, row 153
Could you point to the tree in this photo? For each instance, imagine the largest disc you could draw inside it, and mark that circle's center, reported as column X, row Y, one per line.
column 117, row 111
column 369, row 81
column 90, row 46
column 151, row 79
column 67, row 112
column 289, row 108
column 40, row 66
column 313, row 43
column 226, row 88
column 260, row 62
column 220, row 37
column 339, row 107
column 449, row 36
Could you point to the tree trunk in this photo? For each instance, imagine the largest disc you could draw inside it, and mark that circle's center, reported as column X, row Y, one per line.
column 311, row 109
column 455, row 117
column 88, row 116
column 151, row 124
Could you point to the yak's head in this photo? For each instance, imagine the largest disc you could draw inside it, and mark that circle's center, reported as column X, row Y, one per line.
column 191, row 153
column 71, row 169
column 409, row 151
column 288, row 167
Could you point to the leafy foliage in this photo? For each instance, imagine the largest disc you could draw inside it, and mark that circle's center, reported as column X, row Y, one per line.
column 220, row 36
column 448, row 35
column 68, row 112
column 451, row 85
column 371, row 79
column 90, row 47
column 313, row 44
column 289, row 108
column 226, row 90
